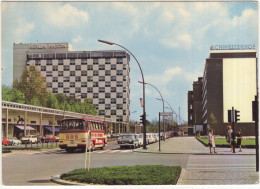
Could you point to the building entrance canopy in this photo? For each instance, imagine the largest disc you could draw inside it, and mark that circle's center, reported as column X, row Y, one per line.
column 27, row 127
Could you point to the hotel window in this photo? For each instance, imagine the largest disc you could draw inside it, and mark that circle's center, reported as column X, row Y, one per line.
column 107, row 95
column 101, row 78
column 96, row 106
column 49, row 73
column 66, row 79
column 113, row 78
column 95, row 72
column 101, row 112
column 119, row 60
column 107, row 106
column 107, row 61
column 72, row 61
column 90, row 90
column 119, row 72
column 83, row 61
column 90, row 67
column 101, row 101
column 113, row 112
column 107, row 84
column 60, row 84
column 60, row 73
column 84, row 84
column 78, row 67
column 37, row 62
column 190, row 106
column 124, row 66
column 55, row 90
column 101, row 67
column 55, row 79
column 119, row 118
column 66, row 90
column 113, row 89
column 72, row 84
column 107, row 72
column 66, row 67
column 49, row 62
column 72, row 73
column 49, row 84
column 78, row 78
column 90, row 78
column 124, row 89
column 124, row 78
column 95, row 84
column 124, row 100
column 113, row 66
column 72, row 95
column 60, row 62
column 78, row 90
column 101, row 89
column 43, row 68
column 119, row 106
column 95, row 95
column 124, row 112
column 83, row 73
column 119, row 95
column 54, row 68
column 119, row 83
column 95, row 61
column 113, row 100
column 84, row 95
column 190, row 117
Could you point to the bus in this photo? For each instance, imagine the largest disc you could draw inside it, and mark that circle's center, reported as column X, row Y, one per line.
column 73, row 134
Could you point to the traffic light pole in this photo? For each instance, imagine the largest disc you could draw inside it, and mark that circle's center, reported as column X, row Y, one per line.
column 159, row 131
column 233, row 133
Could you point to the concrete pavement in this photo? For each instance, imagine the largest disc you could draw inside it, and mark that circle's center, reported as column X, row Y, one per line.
column 188, row 145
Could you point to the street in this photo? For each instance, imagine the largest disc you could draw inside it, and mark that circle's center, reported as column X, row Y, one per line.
column 37, row 167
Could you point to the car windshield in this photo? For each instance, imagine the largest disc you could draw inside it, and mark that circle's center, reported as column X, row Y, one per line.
column 127, row 137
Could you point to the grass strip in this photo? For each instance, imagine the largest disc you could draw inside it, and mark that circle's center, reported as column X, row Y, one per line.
column 126, row 175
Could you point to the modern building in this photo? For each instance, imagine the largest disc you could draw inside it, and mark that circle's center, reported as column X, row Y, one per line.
column 229, row 80
column 195, row 106
column 100, row 75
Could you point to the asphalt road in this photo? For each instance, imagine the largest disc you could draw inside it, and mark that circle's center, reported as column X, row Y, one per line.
column 36, row 168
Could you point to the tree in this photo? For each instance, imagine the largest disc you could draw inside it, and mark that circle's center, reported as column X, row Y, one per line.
column 212, row 120
column 13, row 95
column 32, row 85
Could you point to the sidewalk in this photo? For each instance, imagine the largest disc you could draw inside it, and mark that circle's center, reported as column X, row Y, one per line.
column 188, row 145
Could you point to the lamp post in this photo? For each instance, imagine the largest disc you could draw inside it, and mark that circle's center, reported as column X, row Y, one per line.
column 144, row 124
column 163, row 107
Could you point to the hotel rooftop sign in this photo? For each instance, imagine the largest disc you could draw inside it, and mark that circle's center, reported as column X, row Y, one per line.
column 48, row 45
column 233, row 47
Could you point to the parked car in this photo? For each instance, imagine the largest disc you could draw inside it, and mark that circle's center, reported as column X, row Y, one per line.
column 29, row 139
column 128, row 140
column 5, row 141
column 141, row 136
column 48, row 138
column 118, row 139
column 140, row 139
column 157, row 137
column 149, row 137
column 14, row 141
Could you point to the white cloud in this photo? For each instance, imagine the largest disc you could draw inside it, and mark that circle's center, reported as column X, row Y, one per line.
column 22, row 29
column 67, row 16
column 77, row 39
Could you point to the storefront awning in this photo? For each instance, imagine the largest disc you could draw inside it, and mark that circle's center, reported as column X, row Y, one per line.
column 50, row 128
column 27, row 127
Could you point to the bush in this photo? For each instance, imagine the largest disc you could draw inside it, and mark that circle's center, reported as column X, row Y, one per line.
column 126, row 175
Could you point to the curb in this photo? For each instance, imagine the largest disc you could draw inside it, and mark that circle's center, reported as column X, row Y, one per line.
column 56, row 179
column 192, row 153
column 181, row 176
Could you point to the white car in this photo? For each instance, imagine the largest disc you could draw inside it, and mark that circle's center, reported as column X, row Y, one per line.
column 29, row 139
column 140, row 139
column 14, row 141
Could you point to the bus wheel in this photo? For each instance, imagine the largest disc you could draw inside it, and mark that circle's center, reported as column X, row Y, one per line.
column 69, row 150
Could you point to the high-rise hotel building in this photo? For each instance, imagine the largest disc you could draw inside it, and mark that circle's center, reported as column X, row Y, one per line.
column 100, row 75
column 229, row 80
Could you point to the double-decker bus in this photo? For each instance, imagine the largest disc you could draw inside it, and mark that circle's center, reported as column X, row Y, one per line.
column 73, row 134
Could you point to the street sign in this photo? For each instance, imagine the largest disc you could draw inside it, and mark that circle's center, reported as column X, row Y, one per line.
column 166, row 114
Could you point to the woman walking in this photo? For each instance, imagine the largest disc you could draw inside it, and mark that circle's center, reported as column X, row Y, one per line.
column 229, row 137
column 211, row 141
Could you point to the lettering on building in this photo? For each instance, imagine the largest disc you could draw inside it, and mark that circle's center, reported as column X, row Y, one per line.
column 233, row 47
column 49, row 46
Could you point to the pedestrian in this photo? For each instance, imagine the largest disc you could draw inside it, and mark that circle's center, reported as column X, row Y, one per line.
column 211, row 141
column 229, row 137
column 239, row 139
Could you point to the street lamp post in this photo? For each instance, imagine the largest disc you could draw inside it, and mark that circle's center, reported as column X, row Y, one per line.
column 144, row 123
column 163, row 108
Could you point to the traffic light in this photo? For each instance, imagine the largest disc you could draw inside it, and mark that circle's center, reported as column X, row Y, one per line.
column 237, row 116
column 229, row 116
column 142, row 119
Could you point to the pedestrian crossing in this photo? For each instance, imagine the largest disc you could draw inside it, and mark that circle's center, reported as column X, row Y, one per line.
column 108, row 151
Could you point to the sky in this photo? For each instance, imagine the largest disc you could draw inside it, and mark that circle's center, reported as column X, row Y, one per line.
column 171, row 40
